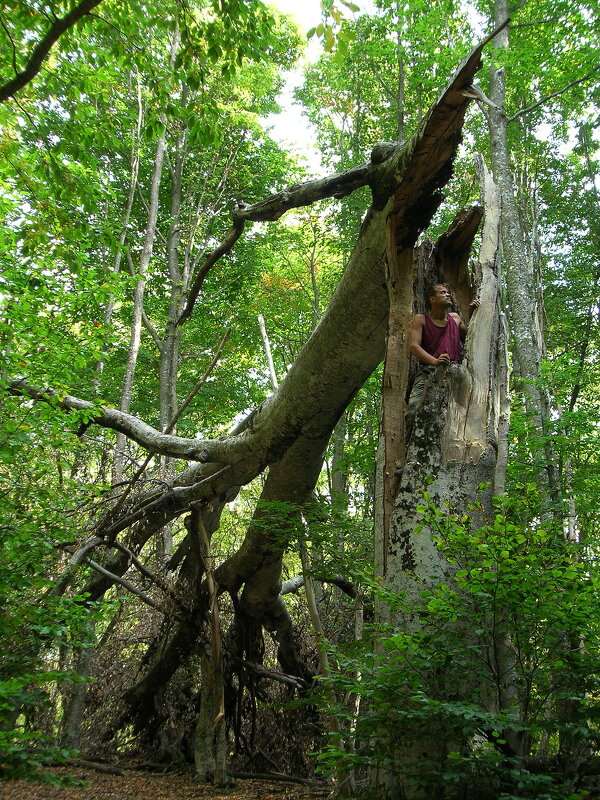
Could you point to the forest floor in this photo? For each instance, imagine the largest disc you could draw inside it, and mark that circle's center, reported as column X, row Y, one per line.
column 143, row 785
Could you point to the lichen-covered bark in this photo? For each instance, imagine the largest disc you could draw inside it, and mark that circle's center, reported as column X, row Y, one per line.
column 455, row 438
column 452, row 451
column 343, row 351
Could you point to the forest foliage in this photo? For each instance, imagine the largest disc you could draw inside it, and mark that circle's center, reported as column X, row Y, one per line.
column 122, row 161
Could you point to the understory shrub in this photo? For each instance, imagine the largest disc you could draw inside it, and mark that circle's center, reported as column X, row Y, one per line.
column 513, row 579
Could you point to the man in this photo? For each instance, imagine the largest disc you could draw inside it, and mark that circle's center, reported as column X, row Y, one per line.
column 435, row 339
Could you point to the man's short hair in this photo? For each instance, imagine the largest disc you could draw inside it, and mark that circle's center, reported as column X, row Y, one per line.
column 430, row 290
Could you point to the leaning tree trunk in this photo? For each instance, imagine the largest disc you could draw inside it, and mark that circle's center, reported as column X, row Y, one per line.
column 290, row 430
column 451, row 452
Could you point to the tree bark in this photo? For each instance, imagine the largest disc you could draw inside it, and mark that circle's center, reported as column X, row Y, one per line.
column 520, row 275
column 290, row 430
column 138, row 300
column 452, row 451
column 348, row 342
column 73, row 714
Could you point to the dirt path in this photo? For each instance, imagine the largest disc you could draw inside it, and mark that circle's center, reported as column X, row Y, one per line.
column 139, row 785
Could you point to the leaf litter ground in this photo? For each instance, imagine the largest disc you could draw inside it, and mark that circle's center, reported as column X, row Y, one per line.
column 142, row 785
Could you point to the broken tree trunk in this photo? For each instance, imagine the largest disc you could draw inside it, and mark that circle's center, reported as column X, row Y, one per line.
column 451, row 453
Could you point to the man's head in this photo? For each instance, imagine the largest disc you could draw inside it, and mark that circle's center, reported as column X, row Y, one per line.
column 438, row 294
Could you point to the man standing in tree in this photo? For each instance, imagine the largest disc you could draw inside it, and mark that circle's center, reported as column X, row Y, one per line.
column 435, row 339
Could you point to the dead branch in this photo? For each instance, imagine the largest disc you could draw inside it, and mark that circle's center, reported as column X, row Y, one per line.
column 107, row 769
column 125, row 584
column 278, row 776
column 280, row 677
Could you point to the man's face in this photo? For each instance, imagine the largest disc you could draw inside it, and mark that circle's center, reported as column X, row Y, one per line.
column 441, row 297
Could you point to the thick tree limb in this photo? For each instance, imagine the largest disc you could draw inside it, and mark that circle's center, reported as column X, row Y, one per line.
column 337, row 185
column 43, row 47
column 292, row 585
column 107, row 769
column 271, row 208
column 291, row 428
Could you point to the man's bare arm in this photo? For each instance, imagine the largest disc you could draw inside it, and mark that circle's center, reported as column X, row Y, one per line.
column 462, row 325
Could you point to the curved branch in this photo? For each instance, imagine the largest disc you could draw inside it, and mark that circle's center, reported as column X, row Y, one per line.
column 337, row 185
column 126, row 584
column 43, row 47
column 127, row 424
column 233, row 235
column 272, row 208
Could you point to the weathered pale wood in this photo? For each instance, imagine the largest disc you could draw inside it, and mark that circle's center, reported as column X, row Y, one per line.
column 395, row 375
column 474, row 404
column 452, row 451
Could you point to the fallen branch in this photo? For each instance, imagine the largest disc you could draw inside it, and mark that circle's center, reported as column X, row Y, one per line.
column 280, row 677
column 107, row 769
column 279, row 776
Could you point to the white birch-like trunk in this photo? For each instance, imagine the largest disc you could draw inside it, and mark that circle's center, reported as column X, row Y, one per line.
column 138, row 297
column 520, row 272
column 133, row 181
column 526, row 313
column 138, row 300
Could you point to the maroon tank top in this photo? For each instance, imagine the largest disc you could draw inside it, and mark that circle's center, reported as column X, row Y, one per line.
column 436, row 340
